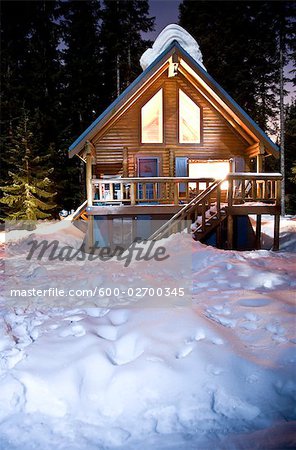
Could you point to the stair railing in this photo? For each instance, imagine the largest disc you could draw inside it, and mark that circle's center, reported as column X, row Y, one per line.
column 79, row 211
column 201, row 200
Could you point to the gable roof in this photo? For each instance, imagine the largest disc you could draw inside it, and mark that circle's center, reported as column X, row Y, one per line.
column 201, row 75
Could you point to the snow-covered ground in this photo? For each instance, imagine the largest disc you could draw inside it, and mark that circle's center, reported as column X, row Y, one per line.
column 141, row 373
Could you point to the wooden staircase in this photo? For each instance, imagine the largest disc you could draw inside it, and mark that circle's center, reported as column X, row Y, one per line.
column 80, row 212
column 200, row 211
column 210, row 224
column 80, row 217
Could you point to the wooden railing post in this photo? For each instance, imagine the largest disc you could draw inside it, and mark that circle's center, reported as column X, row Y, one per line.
column 133, row 194
column 144, row 190
column 230, row 192
column 176, row 194
column 155, row 191
column 203, row 215
column 219, row 202
column 111, row 189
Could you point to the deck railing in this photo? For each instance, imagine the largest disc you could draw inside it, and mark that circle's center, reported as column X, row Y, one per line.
column 161, row 190
column 254, row 187
column 240, row 188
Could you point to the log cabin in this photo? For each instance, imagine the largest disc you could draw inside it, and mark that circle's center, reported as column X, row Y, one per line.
column 174, row 150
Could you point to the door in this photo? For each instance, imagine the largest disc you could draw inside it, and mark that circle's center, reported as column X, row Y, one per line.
column 181, row 170
column 147, row 168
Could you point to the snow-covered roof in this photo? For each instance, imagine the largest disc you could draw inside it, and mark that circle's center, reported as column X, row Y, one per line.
column 168, row 35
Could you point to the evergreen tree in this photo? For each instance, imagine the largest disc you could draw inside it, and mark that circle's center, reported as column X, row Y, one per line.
column 16, row 19
column 28, row 195
column 239, row 42
column 41, row 69
column 122, row 45
column 81, row 92
column 290, row 160
column 81, row 64
column 30, row 75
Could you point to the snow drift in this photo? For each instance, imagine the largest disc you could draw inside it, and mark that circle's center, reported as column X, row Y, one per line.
column 218, row 374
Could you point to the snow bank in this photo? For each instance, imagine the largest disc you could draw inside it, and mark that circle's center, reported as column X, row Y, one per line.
column 218, row 374
column 287, row 232
column 169, row 34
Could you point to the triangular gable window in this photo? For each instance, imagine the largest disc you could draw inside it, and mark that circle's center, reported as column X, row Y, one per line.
column 189, row 120
column 151, row 119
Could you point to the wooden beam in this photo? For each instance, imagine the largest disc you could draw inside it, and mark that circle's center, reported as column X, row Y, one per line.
column 172, row 163
column 245, row 210
column 253, row 150
column 89, row 148
column 176, row 194
column 219, row 236
column 276, row 235
column 125, row 162
column 90, row 234
column 133, row 194
column 129, row 210
column 258, row 232
column 230, row 232
column 260, row 158
column 88, row 179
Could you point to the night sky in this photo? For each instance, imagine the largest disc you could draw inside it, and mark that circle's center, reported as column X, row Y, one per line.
column 165, row 12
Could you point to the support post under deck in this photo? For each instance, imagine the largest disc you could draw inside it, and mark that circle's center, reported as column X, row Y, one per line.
column 230, row 232
column 258, row 232
column 276, row 235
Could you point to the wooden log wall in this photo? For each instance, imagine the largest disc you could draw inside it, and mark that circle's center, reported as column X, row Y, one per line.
column 218, row 139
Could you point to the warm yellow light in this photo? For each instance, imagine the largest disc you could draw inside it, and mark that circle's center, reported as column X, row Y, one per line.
column 189, row 120
column 151, row 115
column 209, row 169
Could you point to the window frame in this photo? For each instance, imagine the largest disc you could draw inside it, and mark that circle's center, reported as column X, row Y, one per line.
column 162, row 120
column 179, row 122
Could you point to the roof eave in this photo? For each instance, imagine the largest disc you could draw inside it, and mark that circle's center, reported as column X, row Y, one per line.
column 258, row 132
column 78, row 144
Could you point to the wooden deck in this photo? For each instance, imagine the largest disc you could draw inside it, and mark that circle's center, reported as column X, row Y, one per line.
column 206, row 202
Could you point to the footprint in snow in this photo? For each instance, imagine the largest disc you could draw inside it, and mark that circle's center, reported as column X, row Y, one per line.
column 125, row 350
column 228, row 323
column 118, row 316
column 217, row 341
column 74, row 330
column 185, row 351
column 214, row 370
column 108, row 332
column 251, row 316
column 199, row 335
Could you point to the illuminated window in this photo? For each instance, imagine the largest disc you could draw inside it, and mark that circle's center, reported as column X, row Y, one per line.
column 151, row 115
column 209, row 169
column 189, row 120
